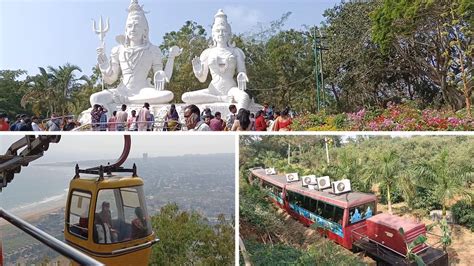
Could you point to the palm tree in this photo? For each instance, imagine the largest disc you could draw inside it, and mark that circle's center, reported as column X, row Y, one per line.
column 65, row 83
column 445, row 179
column 40, row 92
column 386, row 171
column 54, row 88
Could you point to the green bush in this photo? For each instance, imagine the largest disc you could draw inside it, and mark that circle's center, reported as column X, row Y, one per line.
column 425, row 199
column 278, row 254
column 463, row 212
column 395, row 195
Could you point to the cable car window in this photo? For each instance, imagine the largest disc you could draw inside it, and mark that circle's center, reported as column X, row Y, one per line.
column 121, row 215
column 78, row 219
column 361, row 212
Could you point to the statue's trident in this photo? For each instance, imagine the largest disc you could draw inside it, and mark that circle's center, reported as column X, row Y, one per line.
column 103, row 29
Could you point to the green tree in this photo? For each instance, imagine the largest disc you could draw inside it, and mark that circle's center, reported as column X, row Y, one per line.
column 11, row 90
column 386, row 171
column 447, row 180
column 188, row 238
column 51, row 90
column 40, row 93
column 192, row 39
column 430, row 36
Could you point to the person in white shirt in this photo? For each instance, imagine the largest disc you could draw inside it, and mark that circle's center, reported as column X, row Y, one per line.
column 122, row 118
column 34, row 124
column 102, row 233
column 143, row 117
column 132, row 121
column 230, row 118
column 192, row 119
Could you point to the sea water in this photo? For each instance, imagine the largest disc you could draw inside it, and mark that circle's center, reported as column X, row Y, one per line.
column 36, row 185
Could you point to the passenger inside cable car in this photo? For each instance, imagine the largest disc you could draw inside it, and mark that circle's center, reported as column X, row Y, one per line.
column 102, row 232
column 122, row 210
column 106, row 218
column 139, row 224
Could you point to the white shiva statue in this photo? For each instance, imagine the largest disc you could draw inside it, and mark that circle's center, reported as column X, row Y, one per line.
column 133, row 59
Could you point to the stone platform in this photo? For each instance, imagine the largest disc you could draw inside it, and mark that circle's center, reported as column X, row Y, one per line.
column 160, row 110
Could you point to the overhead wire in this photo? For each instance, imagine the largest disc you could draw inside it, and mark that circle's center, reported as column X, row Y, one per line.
column 282, row 86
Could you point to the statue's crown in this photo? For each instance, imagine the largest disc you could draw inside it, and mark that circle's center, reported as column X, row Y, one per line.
column 135, row 7
column 220, row 17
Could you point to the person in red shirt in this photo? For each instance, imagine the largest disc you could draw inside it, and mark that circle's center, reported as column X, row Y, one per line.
column 4, row 126
column 283, row 122
column 260, row 123
column 217, row 124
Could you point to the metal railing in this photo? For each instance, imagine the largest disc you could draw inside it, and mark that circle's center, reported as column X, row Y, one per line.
column 48, row 240
column 157, row 125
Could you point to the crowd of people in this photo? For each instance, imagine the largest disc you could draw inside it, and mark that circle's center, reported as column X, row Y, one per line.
column 267, row 119
column 238, row 120
column 24, row 122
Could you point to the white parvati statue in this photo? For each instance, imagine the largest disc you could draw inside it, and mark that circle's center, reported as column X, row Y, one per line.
column 133, row 59
column 223, row 60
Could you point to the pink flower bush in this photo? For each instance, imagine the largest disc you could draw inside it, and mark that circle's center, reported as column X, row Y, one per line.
column 407, row 118
column 403, row 117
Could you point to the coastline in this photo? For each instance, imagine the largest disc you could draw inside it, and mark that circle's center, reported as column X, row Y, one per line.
column 34, row 212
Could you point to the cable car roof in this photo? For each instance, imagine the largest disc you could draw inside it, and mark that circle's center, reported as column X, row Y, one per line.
column 114, row 181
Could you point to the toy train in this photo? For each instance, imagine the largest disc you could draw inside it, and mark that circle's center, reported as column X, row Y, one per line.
column 347, row 217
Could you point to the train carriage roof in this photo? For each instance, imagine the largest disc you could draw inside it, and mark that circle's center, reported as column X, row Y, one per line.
column 345, row 200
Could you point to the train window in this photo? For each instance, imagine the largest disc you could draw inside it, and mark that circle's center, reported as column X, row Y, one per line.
column 312, row 205
column 279, row 191
column 306, row 203
column 338, row 215
column 78, row 219
column 361, row 212
column 299, row 199
column 328, row 212
column 319, row 208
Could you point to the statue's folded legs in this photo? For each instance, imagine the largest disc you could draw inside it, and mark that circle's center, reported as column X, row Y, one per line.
column 202, row 96
column 241, row 97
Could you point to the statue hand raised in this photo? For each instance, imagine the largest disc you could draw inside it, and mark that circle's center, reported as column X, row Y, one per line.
column 160, row 80
column 102, row 58
column 242, row 80
column 197, row 65
column 175, row 51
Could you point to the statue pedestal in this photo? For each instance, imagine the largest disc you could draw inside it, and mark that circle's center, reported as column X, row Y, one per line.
column 160, row 110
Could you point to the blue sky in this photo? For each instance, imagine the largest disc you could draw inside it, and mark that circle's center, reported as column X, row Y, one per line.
column 52, row 32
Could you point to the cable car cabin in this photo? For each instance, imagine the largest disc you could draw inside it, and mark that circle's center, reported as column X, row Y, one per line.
column 107, row 219
column 335, row 215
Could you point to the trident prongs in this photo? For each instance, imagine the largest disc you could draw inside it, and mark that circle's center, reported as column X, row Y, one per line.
column 103, row 29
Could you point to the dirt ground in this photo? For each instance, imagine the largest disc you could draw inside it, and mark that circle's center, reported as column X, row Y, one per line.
column 461, row 251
